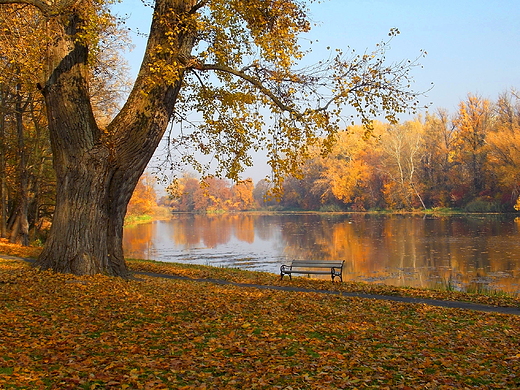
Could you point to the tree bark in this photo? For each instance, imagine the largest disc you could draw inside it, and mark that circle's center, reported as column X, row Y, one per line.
column 98, row 169
column 3, row 186
column 20, row 232
column 84, row 232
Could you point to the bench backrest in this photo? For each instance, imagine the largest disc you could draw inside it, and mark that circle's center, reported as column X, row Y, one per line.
column 317, row 263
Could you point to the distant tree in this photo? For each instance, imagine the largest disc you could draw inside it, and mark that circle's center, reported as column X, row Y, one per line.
column 504, row 143
column 261, row 194
column 472, row 124
column 144, row 198
column 209, row 195
column 183, row 192
column 349, row 172
column 437, row 159
column 430, row 162
column 242, row 195
column 214, row 195
column 401, row 147
column 307, row 190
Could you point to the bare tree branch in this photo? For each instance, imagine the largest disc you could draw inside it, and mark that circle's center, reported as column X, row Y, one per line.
column 48, row 8
column 198, row 6
column 254, row 81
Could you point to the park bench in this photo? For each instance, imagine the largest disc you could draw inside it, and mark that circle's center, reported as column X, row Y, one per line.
column 316, row 267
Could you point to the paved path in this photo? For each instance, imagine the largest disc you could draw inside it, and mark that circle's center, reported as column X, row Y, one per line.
column 431, row 302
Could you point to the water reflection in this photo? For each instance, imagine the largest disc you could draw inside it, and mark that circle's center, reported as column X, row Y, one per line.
column 402, row 250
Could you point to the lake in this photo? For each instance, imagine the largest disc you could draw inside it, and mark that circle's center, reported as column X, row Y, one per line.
column 462, row 252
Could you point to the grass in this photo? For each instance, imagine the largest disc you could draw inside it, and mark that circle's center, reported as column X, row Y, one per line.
column 66, row 332
column 157, row 213
column 137, row 219
column 477, row 290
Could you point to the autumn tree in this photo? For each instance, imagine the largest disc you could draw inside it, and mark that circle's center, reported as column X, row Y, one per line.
column 27, row 177
column 437, row 159
column 242, row 195
column 182, row 193
column 401, row 145
column 430, row 162
column 144, row 197
column 261, row 194
column 24, row 149
column 214, row 195
column 351, row 167
column 504, row 143
column 472, row 124
column 228, row 60
column 210, row 195
column 306, row 190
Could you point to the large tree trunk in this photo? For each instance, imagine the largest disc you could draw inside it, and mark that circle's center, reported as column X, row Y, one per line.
column 98, row 169
column 87, row 226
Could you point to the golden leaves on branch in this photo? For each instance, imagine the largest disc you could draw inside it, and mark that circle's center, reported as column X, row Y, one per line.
column 252, row 50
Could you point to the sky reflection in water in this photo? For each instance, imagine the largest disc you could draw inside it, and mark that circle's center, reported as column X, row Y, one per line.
column 402, row 250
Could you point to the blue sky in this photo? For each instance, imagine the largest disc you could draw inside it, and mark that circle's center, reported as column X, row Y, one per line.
column 473, row 46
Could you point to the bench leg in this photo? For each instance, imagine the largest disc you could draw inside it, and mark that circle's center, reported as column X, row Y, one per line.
column 283, row 272
column 333, row 275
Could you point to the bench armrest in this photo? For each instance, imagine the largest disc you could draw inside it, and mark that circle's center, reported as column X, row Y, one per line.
column 284, row 271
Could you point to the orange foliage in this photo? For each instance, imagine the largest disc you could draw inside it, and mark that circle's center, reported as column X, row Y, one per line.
column 473, row 125
column 144, row 198
column 470, row 161
column 212, row 194
column 504, row 142
column 348, row 170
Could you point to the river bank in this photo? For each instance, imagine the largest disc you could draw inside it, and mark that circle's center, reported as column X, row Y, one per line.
column 235, row 275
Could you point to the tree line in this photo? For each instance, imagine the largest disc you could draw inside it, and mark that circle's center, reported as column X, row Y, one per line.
column 468, row 160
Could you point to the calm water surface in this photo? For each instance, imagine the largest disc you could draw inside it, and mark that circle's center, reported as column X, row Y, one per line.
column 402, row 250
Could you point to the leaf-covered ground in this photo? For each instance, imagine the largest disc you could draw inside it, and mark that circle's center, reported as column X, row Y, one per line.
column 65, row 332
column 269, row 279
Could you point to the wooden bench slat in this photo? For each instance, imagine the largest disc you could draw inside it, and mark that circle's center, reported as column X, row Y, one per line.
column 302, row 267
column 315, row 262
column 312, row 265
